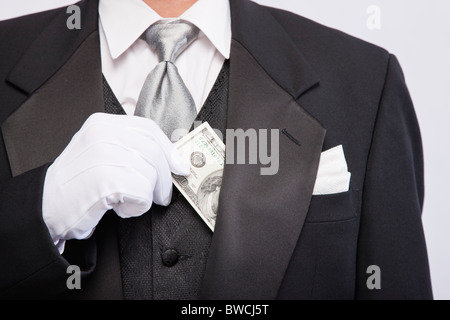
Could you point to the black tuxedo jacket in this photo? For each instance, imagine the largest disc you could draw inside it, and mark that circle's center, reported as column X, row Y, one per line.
column 273, row 238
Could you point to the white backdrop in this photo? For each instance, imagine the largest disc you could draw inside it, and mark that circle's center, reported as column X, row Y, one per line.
column 418, row 33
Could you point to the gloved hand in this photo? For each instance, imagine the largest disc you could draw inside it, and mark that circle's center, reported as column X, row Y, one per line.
column 114, row 162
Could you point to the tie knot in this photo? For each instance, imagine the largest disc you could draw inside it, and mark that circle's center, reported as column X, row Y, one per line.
column 169, row 39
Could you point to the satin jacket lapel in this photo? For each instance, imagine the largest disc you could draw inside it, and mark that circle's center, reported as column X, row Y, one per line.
column 260, row 217
column 57, row 71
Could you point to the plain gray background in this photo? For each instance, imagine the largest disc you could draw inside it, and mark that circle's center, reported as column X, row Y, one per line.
column 418, row 33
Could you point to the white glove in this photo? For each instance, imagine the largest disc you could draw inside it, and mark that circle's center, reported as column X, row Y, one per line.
column 114, row 162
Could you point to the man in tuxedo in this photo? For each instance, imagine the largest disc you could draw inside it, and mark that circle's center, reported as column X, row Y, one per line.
column 85, row 182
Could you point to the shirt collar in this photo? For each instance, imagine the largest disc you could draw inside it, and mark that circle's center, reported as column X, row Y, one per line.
column 124, row 21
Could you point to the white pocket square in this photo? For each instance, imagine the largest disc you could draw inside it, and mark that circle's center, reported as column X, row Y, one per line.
column 333, row 175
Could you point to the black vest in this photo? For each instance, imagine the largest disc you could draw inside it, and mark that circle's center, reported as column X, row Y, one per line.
column 163, row 253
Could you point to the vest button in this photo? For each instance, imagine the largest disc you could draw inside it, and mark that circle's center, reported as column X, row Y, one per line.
column 170, row 257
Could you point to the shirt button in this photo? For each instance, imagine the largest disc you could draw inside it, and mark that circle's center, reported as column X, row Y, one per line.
column 170, row 257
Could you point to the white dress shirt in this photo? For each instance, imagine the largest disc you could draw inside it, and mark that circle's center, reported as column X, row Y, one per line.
column 127, row 59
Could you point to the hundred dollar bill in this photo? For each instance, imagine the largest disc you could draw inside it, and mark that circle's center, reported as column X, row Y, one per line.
column 201, row 188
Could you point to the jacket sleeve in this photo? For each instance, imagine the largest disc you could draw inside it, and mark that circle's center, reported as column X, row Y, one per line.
column 391, row 234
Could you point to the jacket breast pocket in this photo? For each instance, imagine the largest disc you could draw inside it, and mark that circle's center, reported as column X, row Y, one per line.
column 334, row 207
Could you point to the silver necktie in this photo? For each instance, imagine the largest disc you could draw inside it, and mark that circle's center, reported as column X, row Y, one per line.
column 164, row 98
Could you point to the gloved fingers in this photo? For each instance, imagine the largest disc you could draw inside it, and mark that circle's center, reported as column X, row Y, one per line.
column 134, row 132
column 115, row 157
